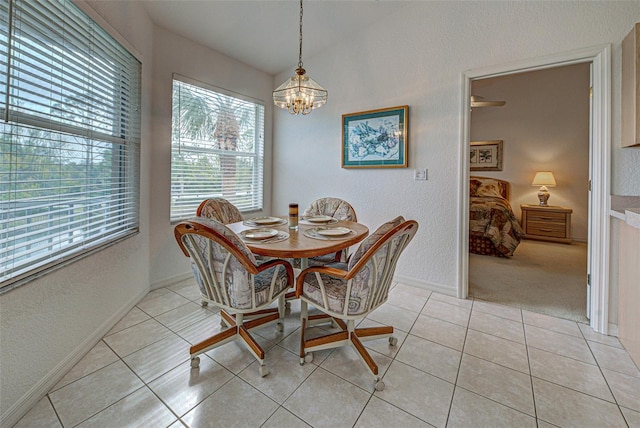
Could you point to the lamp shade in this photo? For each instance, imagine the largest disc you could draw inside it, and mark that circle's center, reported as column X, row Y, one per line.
column 544, row 178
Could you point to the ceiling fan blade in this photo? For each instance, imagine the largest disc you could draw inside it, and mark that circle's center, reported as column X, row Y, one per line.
column 477, row 101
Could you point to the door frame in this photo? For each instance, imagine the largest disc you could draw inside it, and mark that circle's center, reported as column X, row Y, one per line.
column 599, row 169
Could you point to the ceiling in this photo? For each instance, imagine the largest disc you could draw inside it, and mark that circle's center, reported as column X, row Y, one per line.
column 265, row 33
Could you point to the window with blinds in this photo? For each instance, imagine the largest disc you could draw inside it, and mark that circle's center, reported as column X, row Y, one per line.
column 69, row 137
column 217, row 148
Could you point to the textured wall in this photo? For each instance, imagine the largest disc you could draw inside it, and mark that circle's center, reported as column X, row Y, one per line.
column 413, row 57
column 45, row 323
column 174, row 54
column 417, row 57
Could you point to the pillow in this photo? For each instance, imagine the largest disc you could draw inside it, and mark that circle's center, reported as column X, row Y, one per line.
column 473, row 186
column 481, row 186
column 372, row 239
column 489, row 190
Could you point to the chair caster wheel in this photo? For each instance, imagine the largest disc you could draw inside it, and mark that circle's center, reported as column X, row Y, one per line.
column 279, row 327
column 308, row 357
column 287, row 308
column 204, row 303
column 393, row 341
column 263, row 370
column 379, row 385
column 195, row 362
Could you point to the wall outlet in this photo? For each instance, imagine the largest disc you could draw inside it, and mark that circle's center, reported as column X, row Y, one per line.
column 420, row 174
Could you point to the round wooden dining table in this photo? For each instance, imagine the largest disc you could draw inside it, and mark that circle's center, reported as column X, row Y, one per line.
column 299, row 245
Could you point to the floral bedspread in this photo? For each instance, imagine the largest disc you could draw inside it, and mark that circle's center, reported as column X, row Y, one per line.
column 493, row 218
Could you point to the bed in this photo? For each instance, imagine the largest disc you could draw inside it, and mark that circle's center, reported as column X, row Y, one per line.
column 493, row 227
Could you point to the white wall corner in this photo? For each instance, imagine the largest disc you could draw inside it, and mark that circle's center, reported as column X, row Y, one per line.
column 42, row 388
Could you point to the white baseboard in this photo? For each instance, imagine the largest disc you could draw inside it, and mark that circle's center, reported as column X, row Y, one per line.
column 40, row 389
column 171, row 280
column 438, row 288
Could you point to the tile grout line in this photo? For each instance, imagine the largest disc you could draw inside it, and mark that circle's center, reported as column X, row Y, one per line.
column 145, row 385
column 615, row 400
column 533, row 391
column 455, row 382
column 179, row 417
column 372, row 394
column 54, row 410
column 295, row 389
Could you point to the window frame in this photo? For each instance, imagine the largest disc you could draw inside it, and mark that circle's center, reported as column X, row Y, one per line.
column 257, row 154
column 126, row 168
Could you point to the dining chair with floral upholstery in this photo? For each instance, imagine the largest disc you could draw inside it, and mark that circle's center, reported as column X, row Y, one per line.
column 219, row 209
column 347, row 292
column 332, row 207
column 229, row 277
column 338, row 209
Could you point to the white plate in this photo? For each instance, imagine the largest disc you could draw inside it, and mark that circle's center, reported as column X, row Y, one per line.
column 265, row 220
column 319, row 219
column 333, row 231
column 258, row 234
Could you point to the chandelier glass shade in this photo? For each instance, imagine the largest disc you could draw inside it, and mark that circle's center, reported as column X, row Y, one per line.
column 300, row 94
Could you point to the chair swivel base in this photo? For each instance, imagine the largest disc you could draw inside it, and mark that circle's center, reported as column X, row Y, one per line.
column 349, row 336
column 238, row 329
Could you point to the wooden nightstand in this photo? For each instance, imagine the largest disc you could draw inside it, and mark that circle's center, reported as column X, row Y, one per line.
column 547, row 223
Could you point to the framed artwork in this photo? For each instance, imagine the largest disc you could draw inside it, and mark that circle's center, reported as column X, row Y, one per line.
column 375, row 138
column 486, row 155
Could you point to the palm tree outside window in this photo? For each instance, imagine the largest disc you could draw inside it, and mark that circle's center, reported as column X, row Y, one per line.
column 217, row 148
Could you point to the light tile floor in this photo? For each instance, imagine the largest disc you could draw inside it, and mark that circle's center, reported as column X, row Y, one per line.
column 458, row 363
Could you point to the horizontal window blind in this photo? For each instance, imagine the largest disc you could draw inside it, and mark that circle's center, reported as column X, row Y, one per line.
column 217, row 149
column 70, row 137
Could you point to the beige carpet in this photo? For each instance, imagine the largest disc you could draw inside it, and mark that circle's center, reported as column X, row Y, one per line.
column 542, row 277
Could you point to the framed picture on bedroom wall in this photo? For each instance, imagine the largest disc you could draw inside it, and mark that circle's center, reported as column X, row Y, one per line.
column 486, row 155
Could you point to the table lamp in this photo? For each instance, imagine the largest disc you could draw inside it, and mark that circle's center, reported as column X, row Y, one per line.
column 544, row 179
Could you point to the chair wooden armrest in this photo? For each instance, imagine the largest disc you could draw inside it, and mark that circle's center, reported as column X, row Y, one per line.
column 337, row 273
column 275, row 262
column 345, row 296
column 228, row 276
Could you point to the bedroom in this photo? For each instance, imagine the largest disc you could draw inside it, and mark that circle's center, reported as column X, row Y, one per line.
column 543, row 126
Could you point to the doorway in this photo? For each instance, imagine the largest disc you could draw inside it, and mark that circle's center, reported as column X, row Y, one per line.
column 599, row 168
column 544, row 126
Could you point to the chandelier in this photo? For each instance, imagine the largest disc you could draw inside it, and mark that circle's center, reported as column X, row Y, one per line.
column 300, row 93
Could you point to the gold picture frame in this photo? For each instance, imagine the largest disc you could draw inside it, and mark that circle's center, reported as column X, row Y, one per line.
column 486, row 155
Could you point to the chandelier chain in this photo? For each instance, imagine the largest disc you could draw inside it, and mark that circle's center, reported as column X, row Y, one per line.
column 300, row 52
column 300, row 94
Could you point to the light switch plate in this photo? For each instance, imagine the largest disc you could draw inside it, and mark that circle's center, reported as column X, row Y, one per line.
column 420, row 174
